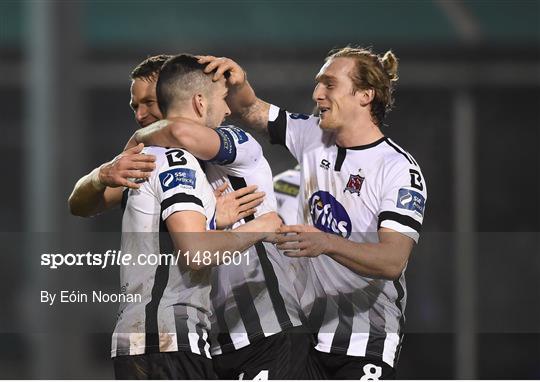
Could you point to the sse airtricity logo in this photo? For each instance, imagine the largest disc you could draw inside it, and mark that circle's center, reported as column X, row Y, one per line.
column 178, row 177
column 329, row 215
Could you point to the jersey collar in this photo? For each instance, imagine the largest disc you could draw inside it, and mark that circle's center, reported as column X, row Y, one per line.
column 363, row 147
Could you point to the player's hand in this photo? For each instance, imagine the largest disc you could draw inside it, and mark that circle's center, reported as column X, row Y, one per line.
column 224, row 67
column 301, row 240
column 129, row 165
column 268, row 224
column 234, row 206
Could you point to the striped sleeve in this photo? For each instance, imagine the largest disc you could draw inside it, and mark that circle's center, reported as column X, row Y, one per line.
column 180, row 202
column 404, row 196
column 178, row 183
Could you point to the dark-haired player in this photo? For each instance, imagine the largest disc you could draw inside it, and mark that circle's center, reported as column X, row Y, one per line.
column 165, row 335
column 256, row 327
column 102, row 188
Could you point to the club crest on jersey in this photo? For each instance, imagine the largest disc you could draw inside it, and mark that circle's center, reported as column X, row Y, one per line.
column 329, row 215
column 179, row 177
column 354, row 185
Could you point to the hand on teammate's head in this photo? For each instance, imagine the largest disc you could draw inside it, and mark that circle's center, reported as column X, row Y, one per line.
column 224, row 67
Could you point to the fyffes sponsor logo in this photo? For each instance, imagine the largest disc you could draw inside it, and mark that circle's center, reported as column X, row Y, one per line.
column 329, row 215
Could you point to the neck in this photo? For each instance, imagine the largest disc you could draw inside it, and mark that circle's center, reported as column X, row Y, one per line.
column 358, row 135
column 184, row 113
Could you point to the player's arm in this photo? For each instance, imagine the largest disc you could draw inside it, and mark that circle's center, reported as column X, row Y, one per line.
column 245, row 106
column 399, row 224
column 90, row 196
column 385, row 259
column 203, row 142
column 189, row 235
column 294, row 131
column 101, row 189
column 226, row 146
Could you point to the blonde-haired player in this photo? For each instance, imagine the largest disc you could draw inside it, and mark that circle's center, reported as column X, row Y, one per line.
column 362, row 206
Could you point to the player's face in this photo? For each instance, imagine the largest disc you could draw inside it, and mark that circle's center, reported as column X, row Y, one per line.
column 144, row 101
column 218, row 109
column 334, row 94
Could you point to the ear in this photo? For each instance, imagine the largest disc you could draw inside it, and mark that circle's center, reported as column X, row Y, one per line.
column 366, row 96
column 199, row 104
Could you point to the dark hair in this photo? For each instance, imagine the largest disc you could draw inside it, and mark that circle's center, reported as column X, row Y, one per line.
column 372, row 72
column 149, row 68
column 180, row 77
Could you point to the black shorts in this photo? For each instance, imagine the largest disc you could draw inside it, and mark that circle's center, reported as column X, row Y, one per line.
column 170, row 365
column 283, row 355
column 338, row 366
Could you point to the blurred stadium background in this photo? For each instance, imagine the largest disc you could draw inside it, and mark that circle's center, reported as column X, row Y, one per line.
column 467, row 107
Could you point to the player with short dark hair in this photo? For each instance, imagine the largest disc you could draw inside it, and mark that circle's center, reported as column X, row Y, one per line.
column 149, row 68
column 256, row 326
column 255, row 305
column 179, row 76
column 143, row 100
column 363, row 200
column 102, row 188
column 166, row 333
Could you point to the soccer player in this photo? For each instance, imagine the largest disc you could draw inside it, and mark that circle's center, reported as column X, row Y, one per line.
column 164, row 335
column 91, row 196
column 363, row 200
column 256, row 326
column 102, row 188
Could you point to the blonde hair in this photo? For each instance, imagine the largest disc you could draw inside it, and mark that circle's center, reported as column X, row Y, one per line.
column 372, row 72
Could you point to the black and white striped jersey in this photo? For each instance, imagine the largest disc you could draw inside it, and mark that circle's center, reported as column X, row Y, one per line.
column 256, row 298
column 174, row 312
column 287, row 189
column 352, row 192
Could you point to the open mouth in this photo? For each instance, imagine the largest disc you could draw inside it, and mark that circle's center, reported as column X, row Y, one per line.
column 323, row 110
